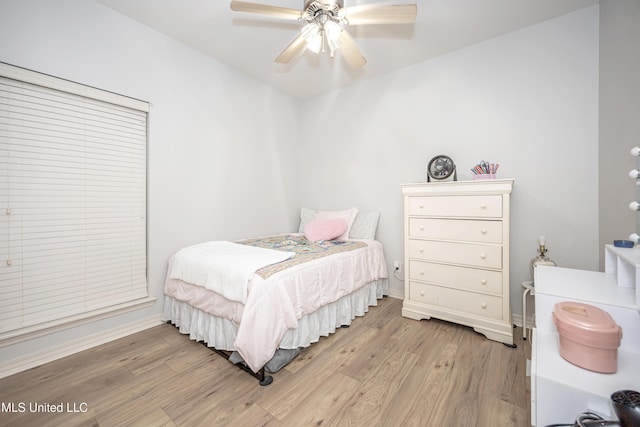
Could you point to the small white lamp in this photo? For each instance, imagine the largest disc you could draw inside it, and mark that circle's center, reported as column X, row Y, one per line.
column 542, row 258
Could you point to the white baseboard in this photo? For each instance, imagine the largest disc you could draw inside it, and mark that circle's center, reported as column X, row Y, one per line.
column 68, row 348
column 396, row 294
column 516, row 319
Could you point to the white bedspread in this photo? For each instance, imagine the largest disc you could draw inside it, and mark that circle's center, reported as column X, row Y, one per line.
column 223, row 267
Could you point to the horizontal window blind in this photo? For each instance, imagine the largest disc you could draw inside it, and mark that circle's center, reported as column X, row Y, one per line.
column 72, row 200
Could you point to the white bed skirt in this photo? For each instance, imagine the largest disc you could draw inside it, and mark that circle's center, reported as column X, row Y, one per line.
column 220, row 333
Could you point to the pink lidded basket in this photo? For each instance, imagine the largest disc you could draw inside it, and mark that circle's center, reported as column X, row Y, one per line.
column 588, row 336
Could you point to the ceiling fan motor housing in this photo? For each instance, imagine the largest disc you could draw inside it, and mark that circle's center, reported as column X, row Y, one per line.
column 322, row 10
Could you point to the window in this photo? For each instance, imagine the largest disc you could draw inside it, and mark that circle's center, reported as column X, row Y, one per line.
column 72, row 201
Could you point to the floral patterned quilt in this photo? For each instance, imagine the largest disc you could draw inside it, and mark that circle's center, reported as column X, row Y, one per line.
column 305, row 250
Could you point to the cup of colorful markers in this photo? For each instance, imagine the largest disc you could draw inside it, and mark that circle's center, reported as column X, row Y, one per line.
column 485, row 170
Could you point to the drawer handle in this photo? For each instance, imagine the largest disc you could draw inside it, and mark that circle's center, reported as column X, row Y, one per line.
column 421, row 249
column 483, row 231
column 483, row 281
column 483, row 305
column 422, row 228
column 421, row 206
column 422, row 272
column 483, row 206
column 483, row 255
column 421, row 293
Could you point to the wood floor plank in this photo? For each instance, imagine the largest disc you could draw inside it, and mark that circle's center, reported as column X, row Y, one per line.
column 155, row 388
column 215, row 404
column 255, row 416
column 497, row 412
column 377, row 348
column 511, row 387
column 367, row 407
column 384, row 370
column 434, row 332
column 331, row 395
column 144, row 417
column 459, row 403
column 415, row 401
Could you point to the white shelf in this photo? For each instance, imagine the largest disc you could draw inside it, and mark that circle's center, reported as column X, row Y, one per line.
column 624, row 263
column 552, row 366
column 628, row 255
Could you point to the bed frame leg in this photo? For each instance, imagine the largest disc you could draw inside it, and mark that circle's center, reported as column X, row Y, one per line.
column 266, row 379
column 263, row 378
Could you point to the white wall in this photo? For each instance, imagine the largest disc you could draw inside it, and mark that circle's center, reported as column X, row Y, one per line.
column 222, row 152
column 527, row 100
column 619, row 117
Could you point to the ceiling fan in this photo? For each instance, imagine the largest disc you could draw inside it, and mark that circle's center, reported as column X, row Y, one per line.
column 325, row 22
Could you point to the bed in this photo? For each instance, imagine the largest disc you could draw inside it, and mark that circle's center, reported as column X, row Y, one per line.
column 259, row 301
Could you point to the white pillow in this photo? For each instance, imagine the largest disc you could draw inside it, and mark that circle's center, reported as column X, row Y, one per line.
column 306, row 215
column 349, row 215
column 365, row 226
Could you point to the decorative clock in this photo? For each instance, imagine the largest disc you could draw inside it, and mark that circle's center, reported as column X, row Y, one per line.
column 440, row 168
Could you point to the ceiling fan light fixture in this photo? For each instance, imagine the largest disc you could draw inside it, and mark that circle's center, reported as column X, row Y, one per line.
column 333, row 46
column 312, row 33
column 332, row 29
column 332, row 32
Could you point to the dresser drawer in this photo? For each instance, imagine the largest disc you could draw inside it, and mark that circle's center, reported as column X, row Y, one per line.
column 472, row 279
column 483, row 206
column 456, row 253
column 487, row 306
column 456, row 229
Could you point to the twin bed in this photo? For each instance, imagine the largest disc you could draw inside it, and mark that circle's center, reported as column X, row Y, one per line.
column 259, row 301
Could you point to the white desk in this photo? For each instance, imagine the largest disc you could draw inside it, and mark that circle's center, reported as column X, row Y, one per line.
column 560, row 390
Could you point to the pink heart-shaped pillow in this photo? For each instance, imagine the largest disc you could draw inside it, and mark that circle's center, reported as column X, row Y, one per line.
column 318, row 230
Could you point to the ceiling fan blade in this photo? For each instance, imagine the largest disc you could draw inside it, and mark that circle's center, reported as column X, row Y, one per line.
column 275, row 11
column 350, row 50
column 372, row 14
column 295, row 47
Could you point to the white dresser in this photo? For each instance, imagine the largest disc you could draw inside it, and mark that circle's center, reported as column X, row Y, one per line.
column 456, row 246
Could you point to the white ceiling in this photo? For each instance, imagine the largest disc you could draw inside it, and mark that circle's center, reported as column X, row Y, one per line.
column 251, row 42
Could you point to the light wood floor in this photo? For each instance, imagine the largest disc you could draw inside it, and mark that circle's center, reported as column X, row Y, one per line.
column 384, row 370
